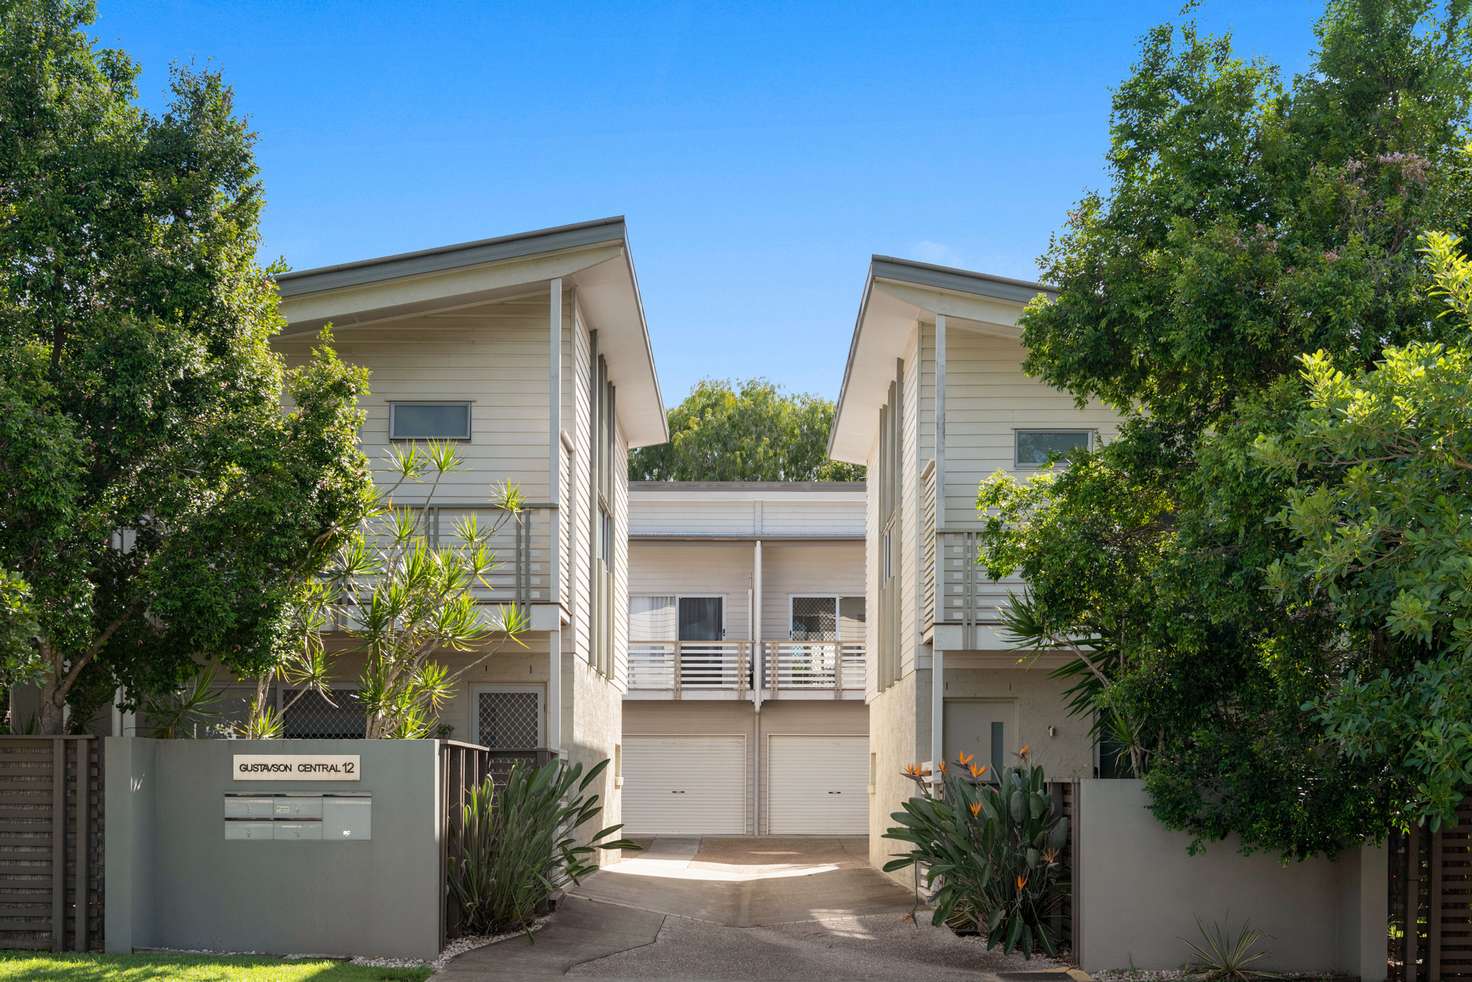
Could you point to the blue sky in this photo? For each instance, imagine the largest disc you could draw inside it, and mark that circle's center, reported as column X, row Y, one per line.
column 760, row 151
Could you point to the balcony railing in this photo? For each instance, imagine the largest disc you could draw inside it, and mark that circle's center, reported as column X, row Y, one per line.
column 521, row 545
column 704, row 669
column 808, row 666
column 680, row 667
column 964, row 593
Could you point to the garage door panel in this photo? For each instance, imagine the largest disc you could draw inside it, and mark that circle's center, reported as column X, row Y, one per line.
column 817, row 785
column 684, row 785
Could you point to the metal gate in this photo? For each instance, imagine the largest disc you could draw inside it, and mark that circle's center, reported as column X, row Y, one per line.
column 1430, row 903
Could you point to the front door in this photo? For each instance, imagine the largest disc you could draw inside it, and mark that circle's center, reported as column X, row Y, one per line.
column 701, row 619
column 983, row 728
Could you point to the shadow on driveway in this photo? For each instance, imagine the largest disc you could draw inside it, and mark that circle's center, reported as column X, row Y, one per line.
column 739, row 908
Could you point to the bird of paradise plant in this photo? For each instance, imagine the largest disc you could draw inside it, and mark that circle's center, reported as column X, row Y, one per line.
column 988, row 848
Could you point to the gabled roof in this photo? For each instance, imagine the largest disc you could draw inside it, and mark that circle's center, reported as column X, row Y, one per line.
column 593, row 256
column 898, row 293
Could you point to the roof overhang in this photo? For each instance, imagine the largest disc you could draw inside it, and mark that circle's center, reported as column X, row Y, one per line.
column 592, row 256
column 898, row 294
column 828, row 491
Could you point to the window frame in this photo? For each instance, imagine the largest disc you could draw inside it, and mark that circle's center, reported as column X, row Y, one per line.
column 538, row 689
column 393, row 414
column 285, row 692
column 838, row 599
column 1091, row 437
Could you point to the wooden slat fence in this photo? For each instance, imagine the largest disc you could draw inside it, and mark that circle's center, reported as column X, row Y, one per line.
column 462, row 767
column 1430, row 903
column 51, row 860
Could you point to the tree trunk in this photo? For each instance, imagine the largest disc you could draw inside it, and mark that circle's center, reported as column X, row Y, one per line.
column 50, row 718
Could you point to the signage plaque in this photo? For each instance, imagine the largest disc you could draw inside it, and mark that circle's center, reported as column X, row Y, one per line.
column 295, row 767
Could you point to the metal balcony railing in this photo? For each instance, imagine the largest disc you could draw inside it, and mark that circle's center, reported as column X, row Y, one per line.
column 680, row 669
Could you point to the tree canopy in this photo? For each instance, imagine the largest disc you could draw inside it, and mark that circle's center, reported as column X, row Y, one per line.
column 158, row 508
column 744, row 431
column 1249, row 223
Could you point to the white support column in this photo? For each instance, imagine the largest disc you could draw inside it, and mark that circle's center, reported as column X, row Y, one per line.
column 938, row 655
column 937, row 712
column 940, row 420
column 554, row 690
column 758, row 652
column 554, row 440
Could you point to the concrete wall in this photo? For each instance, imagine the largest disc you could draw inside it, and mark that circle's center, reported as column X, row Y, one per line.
column 173, row 881
column 1039, row 707
column 899, row 734
column 1141, row 892
column 592, row 724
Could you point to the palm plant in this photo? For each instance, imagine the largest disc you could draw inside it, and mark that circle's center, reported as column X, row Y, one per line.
column 181, row 712
column 520, row 844
column 988, row 848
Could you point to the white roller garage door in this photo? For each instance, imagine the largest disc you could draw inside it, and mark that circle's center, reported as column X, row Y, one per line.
column 817, row 785
column 684, row 785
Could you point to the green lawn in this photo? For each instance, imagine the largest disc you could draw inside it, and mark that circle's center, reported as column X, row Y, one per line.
column 46, row 967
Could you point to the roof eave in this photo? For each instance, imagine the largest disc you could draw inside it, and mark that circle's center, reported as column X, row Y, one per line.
column 459, row 255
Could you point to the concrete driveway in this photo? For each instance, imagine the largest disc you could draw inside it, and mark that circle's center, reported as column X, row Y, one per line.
column 740, row 908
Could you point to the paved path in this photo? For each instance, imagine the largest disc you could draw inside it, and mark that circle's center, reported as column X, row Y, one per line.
column 729, row 909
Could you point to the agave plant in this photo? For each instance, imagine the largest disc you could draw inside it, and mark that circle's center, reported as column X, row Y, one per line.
column 519, row 844
column 987, row 846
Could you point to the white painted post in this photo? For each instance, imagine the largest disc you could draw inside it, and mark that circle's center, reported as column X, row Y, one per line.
column 937, row 655
column 937, row 712
column 554, row 440
column 554, row 690
column 758, row 648
column 940, row 420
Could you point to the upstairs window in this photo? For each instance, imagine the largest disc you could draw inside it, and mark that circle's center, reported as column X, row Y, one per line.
column 429, row 421
column 1035, row 448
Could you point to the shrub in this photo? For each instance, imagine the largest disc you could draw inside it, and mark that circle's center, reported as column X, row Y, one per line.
column 519, row 845
column 1226, row 957
column 988, row 847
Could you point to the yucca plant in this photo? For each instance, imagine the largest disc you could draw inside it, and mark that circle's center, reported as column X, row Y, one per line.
column 519, row 844
column 987, row 847
column 1225, row 957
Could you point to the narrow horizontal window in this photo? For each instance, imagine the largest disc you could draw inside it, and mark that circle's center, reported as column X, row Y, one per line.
column 429, row 421
column 1036, row 447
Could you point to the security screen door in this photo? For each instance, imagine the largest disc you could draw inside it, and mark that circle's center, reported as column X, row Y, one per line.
column 701, row 619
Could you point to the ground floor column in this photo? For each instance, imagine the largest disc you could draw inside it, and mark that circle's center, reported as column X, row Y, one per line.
column 554, row 690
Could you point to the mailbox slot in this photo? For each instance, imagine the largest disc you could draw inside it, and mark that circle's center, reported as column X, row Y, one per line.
column 253, row 806
column 297, row 830
column 249, row 830
column 298, row 807
column 346, row 819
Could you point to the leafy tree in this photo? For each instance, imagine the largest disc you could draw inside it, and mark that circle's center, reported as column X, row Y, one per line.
column 1248, row 222
column 158, row 508
column 403, row 599
column 1378, row 471
column 749, row 431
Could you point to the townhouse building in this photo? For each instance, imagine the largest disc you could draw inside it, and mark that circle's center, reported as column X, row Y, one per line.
column 531, row 354
column 934, row 399
column 745, row 705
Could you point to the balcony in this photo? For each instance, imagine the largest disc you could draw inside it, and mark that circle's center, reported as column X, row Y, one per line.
column 521, row 544
column 955, row 590
column 725, row 669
